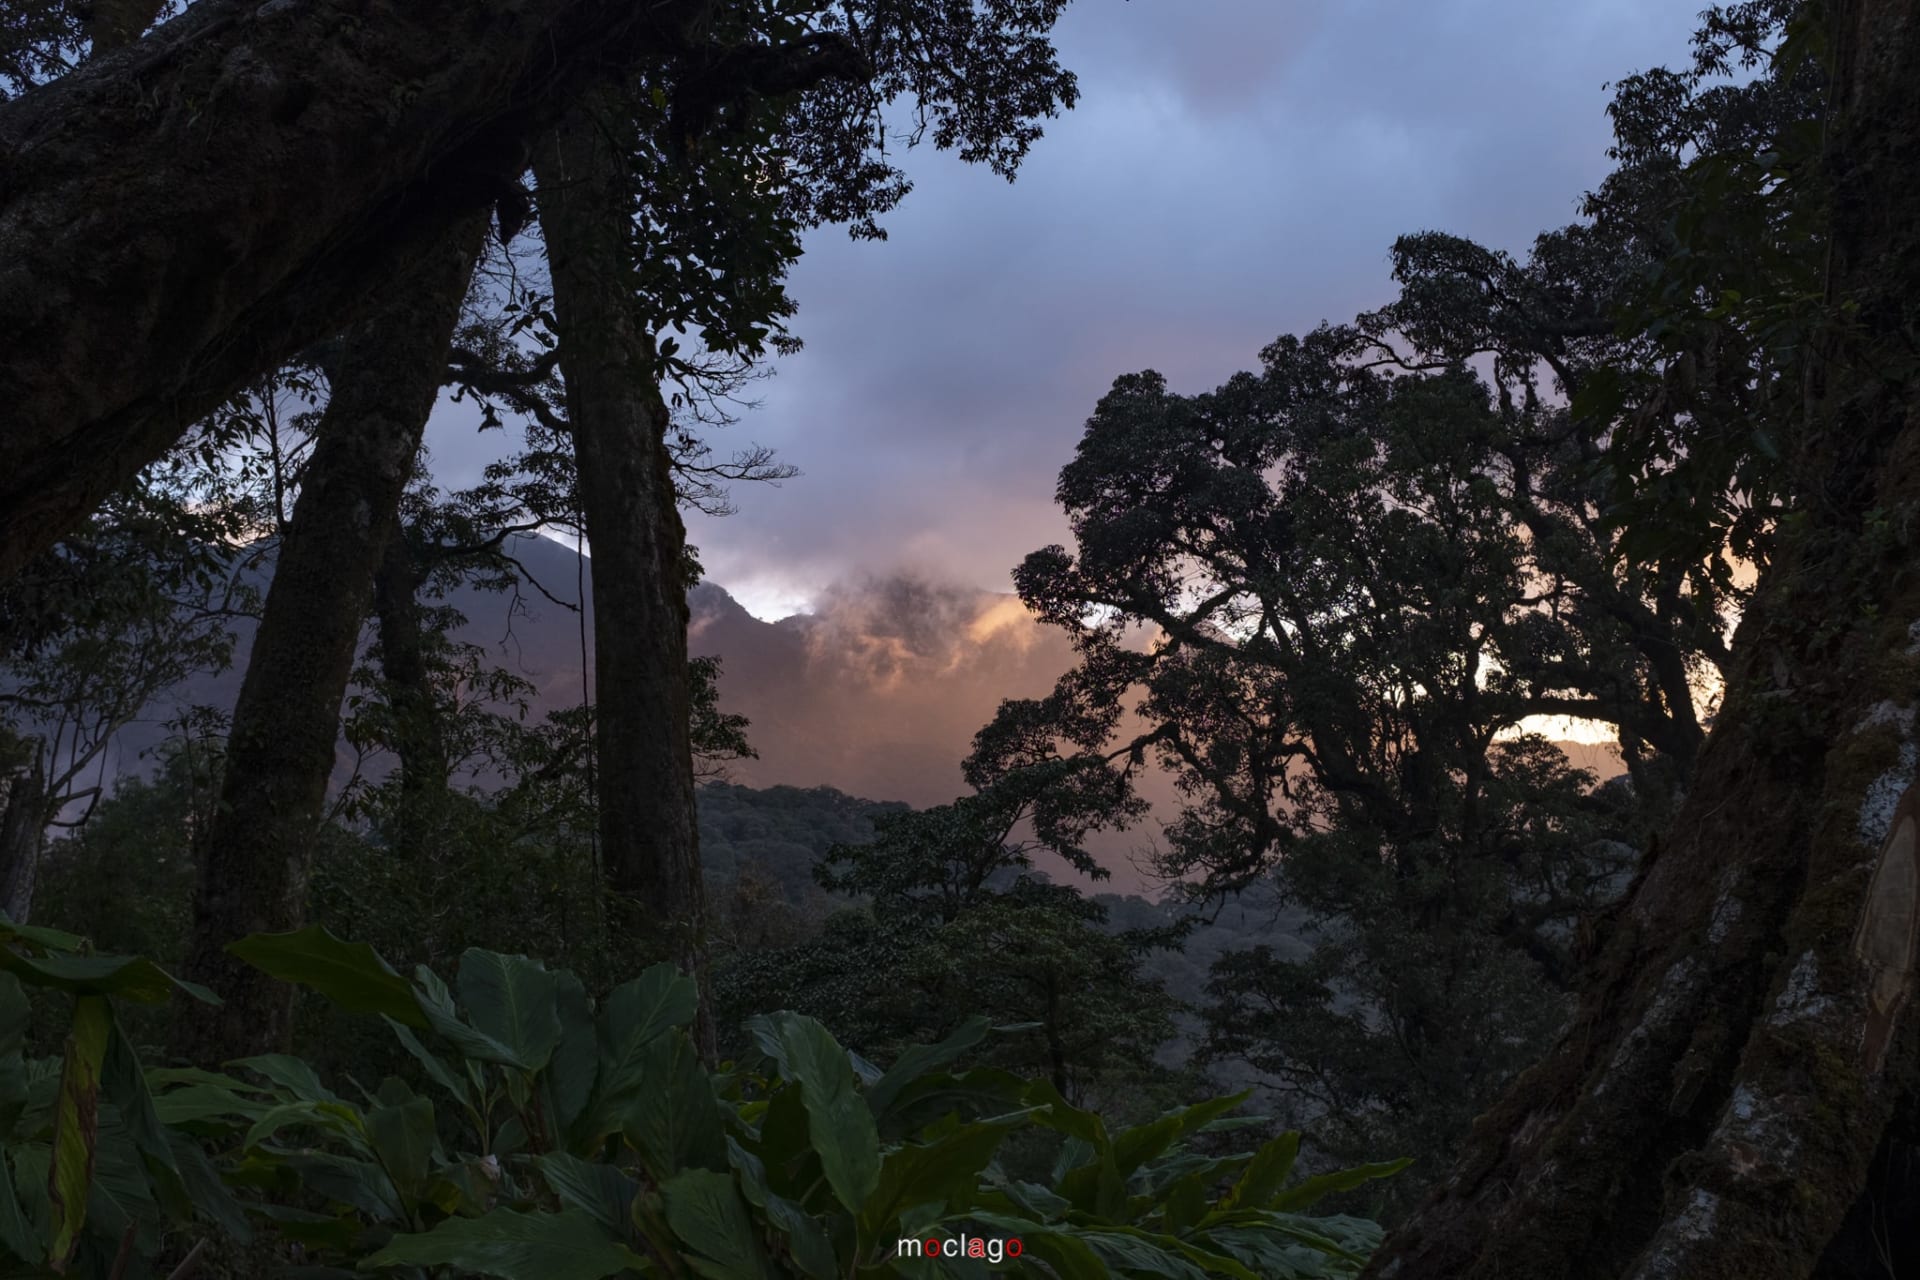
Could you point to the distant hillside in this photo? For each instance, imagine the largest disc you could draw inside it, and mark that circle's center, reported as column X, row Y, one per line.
column 881, row 689
column 877, row 692
column 779, row 832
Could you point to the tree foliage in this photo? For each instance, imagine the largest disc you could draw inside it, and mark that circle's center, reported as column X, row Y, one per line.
column 952, row 919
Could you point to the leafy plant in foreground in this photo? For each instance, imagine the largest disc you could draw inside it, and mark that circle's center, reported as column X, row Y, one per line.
column 94, row 1173
column 560, row 1140
column 592, row 1142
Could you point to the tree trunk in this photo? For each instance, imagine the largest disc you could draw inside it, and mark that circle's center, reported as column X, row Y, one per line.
column 418, row 740
column 1746, row 1045
column 253, row 868
column 642, row 703
column 23, row 825
column 183, row 214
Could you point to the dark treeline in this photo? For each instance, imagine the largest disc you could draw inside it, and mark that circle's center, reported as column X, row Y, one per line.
column 1656, row 475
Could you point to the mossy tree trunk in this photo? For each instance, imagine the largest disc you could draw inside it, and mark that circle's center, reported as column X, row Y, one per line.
column 200, row 205
column 254, row 865
column 642, row 700
column 1747, row 1046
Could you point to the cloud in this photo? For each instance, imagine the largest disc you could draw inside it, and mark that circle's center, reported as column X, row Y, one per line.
column 1236, row 169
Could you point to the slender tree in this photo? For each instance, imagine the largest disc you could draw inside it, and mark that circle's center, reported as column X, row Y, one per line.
column 619, row 423
column 688, row 172
column 385, row 374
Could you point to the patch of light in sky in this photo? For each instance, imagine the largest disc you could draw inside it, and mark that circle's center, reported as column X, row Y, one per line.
column 769, row 601
column 1569, row 729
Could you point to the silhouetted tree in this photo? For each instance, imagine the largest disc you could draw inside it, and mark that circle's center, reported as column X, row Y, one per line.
column 1743, row 1056
column 254, row 863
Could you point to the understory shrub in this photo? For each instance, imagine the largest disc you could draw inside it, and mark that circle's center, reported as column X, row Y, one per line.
column 548, row 1136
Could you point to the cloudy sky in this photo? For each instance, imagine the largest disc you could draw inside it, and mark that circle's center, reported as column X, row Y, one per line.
column 1236, row 169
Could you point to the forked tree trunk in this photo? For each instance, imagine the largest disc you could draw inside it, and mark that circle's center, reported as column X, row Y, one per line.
column 642, row 709
column 1748, row 1042
column 181, row 214
column 254, row 866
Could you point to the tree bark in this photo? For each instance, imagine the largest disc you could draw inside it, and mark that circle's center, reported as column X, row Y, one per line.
column 182, row 214
column 23, row 825
column 1747, row 1043
column 253, row 868
column 418, row 740
column 649, row 840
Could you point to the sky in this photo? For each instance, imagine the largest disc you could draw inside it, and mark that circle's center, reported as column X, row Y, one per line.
column 1235, row 170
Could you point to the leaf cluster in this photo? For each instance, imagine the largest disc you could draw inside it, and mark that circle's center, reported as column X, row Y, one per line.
column 560, row 1138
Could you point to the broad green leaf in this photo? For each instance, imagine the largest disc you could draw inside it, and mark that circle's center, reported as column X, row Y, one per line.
column 465, row 1188
column 839, row 1125
column 1085, row 1171
column 205, row 1191
column 706, row 1213
column 1036, row 1201
column 130, row 977
column 393, row 1092
column 983, row 1091
column 40, row 937
column 637, row 1014
column 359, row 1184
column 1065, row 1117
column 1134, row 1147
column 16, row 1232
column 123, row 1083
column 1130, row 1253
column 122, row 1191
column 474, row 1045
column 602, row 1191
column 76, row 1123
column 570, row 1076
column 511, row 999
column 1070, row 1257
column 32, row 1172
column 431, row 991
column 336, row 1118
column 436, row 1070
column 1303, row 1194
column 402, row 1138
column 945, row 1171
column 1209, row 1261
column 1265, row 1176
column 350, row 974
column 921, row 1060
column 197, row 1102
column 515, row 1246
column 674, row 1119
column 806, row 1237
column 869, row 1075
column 291, row 1074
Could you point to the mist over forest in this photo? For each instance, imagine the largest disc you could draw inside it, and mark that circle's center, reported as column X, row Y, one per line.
column 952, row 638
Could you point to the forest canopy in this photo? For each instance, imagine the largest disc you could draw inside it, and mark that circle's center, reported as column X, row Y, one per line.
column 396, row 957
